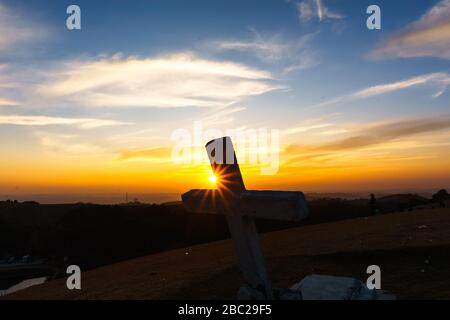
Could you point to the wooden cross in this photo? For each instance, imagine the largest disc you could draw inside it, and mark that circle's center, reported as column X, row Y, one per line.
column 241, row 206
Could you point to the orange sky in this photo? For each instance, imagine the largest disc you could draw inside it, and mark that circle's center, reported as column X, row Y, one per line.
column 390, row 165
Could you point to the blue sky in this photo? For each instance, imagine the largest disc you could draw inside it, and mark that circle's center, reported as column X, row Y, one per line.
column 142, row 69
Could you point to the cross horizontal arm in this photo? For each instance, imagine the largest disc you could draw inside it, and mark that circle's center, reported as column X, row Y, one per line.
column 274, row 205
column 202, row 201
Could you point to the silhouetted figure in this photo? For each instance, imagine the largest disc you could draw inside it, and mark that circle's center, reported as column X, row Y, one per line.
column 373, row 205
column 441, row 196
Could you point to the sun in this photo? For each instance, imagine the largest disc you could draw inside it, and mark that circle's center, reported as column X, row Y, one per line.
column 212, row 178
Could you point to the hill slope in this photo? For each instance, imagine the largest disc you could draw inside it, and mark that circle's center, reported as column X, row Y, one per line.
column 412, row 249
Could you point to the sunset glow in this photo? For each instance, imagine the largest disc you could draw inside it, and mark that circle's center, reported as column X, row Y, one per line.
column 79, row 115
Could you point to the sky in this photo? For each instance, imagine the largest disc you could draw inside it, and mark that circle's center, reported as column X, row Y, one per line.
column 104, row 108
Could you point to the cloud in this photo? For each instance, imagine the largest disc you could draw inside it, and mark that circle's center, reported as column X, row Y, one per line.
column 427, row 37
column 388, row 137
column 270, row 48
column 310, row 9
column 128, row 138
column 311, row 124
column 440, row 80
column 334, row 132
column 7, row 86
column 302, row 129
column 291, row 54
column 220, row 116
column 15, row 29
column 46, row 121
column 67, row 145
column 8, row 102
column 385, row 132
column 178, row 80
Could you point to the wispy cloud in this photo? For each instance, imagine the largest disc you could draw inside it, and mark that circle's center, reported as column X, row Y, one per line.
column 334, row 132
column 439, row 80
column 427, row 37
column 16, row 29
column 68, row 145
column 290, row 54
column 311, row 124
column 220, row 116
column 178, row 80
column 312, row 9
column 7, row 86
column 442, row 80
column 378, row 133
column 381, row 133
column 387, row 141
column 266, row 48
column 8, row 102
column 301, row 129
column 128, row 138
column 47, row 121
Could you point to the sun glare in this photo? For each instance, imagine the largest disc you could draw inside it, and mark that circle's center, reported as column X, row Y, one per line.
column 212, row 178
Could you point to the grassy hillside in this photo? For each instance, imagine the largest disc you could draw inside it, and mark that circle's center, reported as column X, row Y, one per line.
column 94, row 235
column 412, row 249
